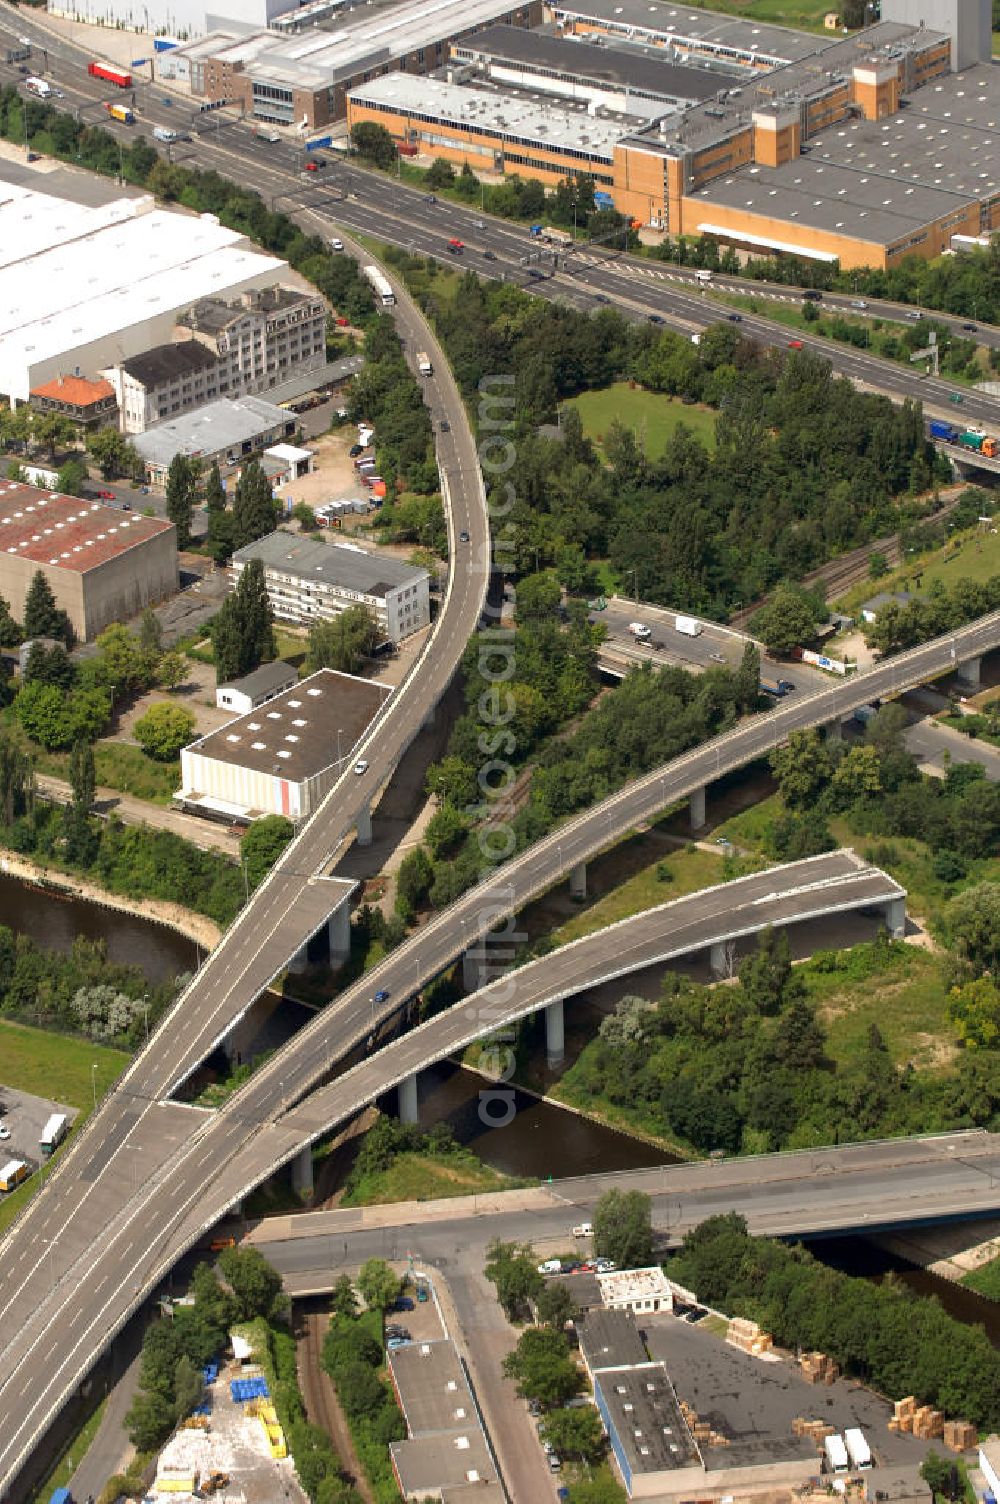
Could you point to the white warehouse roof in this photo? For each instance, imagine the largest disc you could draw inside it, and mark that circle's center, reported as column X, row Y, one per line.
column 92, row 282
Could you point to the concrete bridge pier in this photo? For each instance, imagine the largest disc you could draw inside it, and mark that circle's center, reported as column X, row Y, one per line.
column 365, row 825
column 339, row 931
column 717, row 958
column 895, row 917
column 555, row 1034
column 475, row 967
column 697, row 808
column 578, row 880
column 969, row 672
column 834, row 730
column 300, row 960
column 302, row 1172
column 408, row 1100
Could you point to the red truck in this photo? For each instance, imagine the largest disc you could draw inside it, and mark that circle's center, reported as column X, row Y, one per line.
column 111, row 74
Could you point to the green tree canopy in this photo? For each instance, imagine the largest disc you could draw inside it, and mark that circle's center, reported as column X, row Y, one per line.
column 182, row 487
column 378, row 1283
column 255, row 512
column 786, row 622
column 42, row 617
column 164, row 730
column 255, row 1284
column 512, row 1268
column 262, row 845
column 623, row 1228
column 374, row 142
column 542, row 1367
column 344, row 642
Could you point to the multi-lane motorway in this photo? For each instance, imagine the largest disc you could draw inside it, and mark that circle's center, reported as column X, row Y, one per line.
column 342, row 194
column 146, row 1174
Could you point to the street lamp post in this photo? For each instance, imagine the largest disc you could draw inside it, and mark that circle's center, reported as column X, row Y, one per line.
column 93, row 1081
column 145, row 1014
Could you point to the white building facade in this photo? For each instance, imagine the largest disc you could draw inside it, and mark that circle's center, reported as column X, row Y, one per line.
column 311, row 581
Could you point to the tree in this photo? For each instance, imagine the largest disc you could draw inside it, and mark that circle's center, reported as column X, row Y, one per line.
column 10, row 632
column 786, row 621
column 305, row 517
column 262, row 845
column 343, row 1301
column 255, row 512
column 189, row 1388
column 52, row 431
column 374, row 142
column 555, row 1305
column 120, row 661
column 413, row 882
column 975, row 1011
column 164, row 730
column 440, row 174
column 82, row 775
column 748, row 677
column 71, row 478
column 359, row 1389
column 513, row 1270
column 171, row 671
column 538, row 597
column 857, row 776
column 221, row 524
column 149, row 1420
column 42, row 617
column 344, row 642
column 941, row 1475
column 802, row 768
column 114, row 454
column 575, row 1433
column 446, row 829
column 972, row 919
column 243, row 630
column 182, row 485
column 255, row 1284
column 150, row 635
column 49, row 666
column 623, row 1228
column 542, row 1367
column 379, row 1284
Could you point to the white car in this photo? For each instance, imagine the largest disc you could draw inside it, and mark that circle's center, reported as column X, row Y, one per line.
column 550, row 1266
column 4, row 1133
column 335, row 244
column 605, row 1266
column 584, row 1230
column 361, row 766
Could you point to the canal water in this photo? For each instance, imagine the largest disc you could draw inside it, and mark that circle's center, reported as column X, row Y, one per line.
column 55, row 920
column 540, row 1140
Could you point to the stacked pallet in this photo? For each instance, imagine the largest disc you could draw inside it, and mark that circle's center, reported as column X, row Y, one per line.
column 702, row 1432
column 928, row 1424
column 816, row 1430
column 902, row 1415
column 818, row 1368
column 748, row 1337
column 959, row 1435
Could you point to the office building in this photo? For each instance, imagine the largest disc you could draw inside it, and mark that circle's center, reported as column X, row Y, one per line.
column 101, row 564
column 308, row 580
column 283, row 757
column 91, row 404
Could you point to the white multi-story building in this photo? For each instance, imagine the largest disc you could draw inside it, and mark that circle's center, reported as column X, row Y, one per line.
column 260, row 340
column 310, row 581
column 229, row 349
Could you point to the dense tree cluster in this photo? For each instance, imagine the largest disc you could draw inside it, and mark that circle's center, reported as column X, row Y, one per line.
column 882, row 1334
column 79, row 991
column 745, row 1068
column 804, row 465
column 344, row 642
column 243, row 628
column 385, row 394
column 943, row 609
column 353, row 1353
column 386, row 1140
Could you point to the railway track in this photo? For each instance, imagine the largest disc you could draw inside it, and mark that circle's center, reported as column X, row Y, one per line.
column 852, row 568
column 322, row 1407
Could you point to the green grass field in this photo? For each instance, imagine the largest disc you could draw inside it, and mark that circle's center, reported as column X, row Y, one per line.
column 985, row 1280
column 651, row 415
column 690, row 870
column 426, row 1177
column 46, row 1065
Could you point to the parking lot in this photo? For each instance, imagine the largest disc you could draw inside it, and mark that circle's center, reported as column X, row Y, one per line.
column 23, row 1117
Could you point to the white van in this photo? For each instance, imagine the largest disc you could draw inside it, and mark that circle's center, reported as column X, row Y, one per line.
column 164, row 133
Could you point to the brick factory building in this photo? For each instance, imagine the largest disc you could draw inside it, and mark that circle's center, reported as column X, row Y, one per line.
column 102, row 565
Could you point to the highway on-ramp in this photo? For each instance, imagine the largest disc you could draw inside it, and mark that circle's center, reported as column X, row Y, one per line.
column 59, row 1240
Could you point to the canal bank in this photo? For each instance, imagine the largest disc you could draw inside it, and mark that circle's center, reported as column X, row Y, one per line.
column 19, row 872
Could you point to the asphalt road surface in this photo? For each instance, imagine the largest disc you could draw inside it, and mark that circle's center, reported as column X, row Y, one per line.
column 347, row 196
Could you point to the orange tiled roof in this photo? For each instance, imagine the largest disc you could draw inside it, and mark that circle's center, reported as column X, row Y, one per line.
column 76, row 390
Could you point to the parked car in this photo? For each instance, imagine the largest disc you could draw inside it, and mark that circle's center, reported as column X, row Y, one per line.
column 970, row 328
column 550, row 1266
column 4, row 1133
column 795, row 344
column 396, row 1342
column 583, row 1230
column 736, row 318
column 107, row 495
column 355, row 450
column 403, row 1302
column 555, row 1465
column 336, row 244
column 605, row 1266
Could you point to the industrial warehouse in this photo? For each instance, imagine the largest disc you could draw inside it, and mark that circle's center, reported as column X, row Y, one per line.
column 859, row 149
column 83, row 288
column 102, row 565
column 283, row 757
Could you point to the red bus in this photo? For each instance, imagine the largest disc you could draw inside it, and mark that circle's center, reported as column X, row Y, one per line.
column 113, row 75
